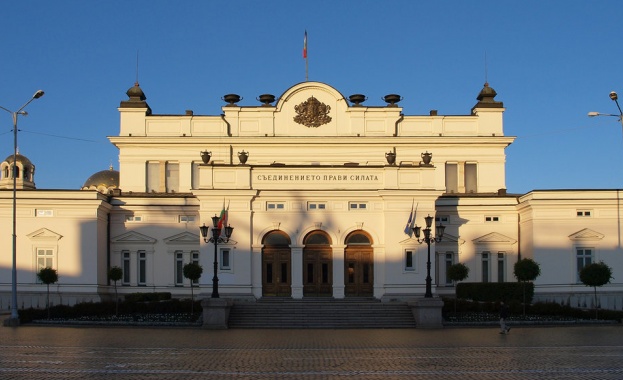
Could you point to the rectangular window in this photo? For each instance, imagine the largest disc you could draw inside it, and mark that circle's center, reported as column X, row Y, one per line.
column 449, row 259
column 172, row 177
column 133, row 218
column 452, row 178
column 142, row 268
column 485, row 267
column 225, row 259
column 187, row 218
column 357, row 205
column 584, row 213
column 442, row 219
column 195, row 260
column 126, row 268
column 409, row 260
column 471, row 178
column 44, row 213
column 195, row 175
column 584, row 256
column 275, row 206
column 45, row 258
column 492, row 219
column 501, row 267
column 316, row 206
column 179, row 269
column 153, row 177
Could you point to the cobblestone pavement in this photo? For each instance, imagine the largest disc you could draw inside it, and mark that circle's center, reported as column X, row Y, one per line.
column 582, row 352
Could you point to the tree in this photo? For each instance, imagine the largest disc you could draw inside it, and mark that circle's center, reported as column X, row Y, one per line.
column 192, row 271
column 47, row 276
column 526, row 270
column 596, row 274
column 457, row 272
column 115, row 274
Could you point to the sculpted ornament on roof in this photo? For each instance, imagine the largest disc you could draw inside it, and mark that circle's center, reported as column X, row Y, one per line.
column 312, row 113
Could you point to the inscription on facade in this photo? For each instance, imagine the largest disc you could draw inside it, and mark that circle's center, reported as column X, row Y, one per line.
column 317, row 177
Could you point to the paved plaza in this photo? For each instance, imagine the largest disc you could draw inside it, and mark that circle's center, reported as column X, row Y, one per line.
column 580, row 352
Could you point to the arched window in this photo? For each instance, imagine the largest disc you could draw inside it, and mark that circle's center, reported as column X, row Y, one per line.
column 357, row 239
column 276, row 238
column 317, row 238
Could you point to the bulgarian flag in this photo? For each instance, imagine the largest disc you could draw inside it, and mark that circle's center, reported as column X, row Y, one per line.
column 222, row 220
column 305, row 46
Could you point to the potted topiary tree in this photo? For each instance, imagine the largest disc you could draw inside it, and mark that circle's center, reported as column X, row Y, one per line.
column 114, row 274
column 596, row 274
column 457, row 272
column 47, row 276
column 192, row 271
column 526, row 270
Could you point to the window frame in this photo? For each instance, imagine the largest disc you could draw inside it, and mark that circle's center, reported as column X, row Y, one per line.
column 275, row 206
column 126, row 265
column 358, row 206
column 141, row 269
column 485, row 265
column 410, row 255
column 179, row 268
column 225, row 251
column 316, row 206
column 584, row 257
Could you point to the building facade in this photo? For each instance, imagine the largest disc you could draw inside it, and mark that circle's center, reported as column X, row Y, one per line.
column 322, row 192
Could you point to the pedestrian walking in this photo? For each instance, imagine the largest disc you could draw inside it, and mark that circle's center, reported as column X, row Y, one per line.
column 504, row 312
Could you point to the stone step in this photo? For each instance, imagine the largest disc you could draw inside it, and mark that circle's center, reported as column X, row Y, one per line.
column 320, row 313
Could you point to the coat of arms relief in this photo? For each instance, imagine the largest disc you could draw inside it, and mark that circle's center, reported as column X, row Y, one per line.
column 312, row 113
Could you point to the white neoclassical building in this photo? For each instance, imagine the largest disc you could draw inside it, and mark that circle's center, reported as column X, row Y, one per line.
column 320, row 189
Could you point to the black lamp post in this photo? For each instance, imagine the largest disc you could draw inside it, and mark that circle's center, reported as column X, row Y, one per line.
column 216, row 238
column 429, row 239
column 615, row 98
column 13, row 320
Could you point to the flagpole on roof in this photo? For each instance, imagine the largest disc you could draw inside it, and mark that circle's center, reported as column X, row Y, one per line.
column 305, row 56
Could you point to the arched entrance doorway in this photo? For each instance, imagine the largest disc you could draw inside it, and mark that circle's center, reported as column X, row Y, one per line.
column 317, row 265
column 276, row 265
column 358, row 265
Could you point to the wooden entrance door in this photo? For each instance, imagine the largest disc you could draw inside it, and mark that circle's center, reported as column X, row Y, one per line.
column 358, row 267
column 317, row 272
column 276, row 266
column 317, row 265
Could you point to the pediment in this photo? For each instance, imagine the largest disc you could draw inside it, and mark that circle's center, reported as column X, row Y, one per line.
column 44, row 234
column 494, row 237
column 451, row 239
column 586, row 234
column 133, row 237
column 183, row 238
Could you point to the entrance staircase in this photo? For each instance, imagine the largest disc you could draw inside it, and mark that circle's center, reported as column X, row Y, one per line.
column 320, row 313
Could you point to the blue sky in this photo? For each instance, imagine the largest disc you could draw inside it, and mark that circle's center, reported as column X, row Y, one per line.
column 551, row 62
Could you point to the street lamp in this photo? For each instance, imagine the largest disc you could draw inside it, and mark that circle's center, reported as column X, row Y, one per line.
column 13, row 320
column 615, row 98
column 429, row 239
column 216, row 238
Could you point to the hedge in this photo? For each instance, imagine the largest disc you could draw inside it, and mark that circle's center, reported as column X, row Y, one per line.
column 147, row 297
column 495, row 291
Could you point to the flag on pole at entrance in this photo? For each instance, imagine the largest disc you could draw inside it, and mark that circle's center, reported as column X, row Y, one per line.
column 305, row 45
column 222, row 221
column 411, row 222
